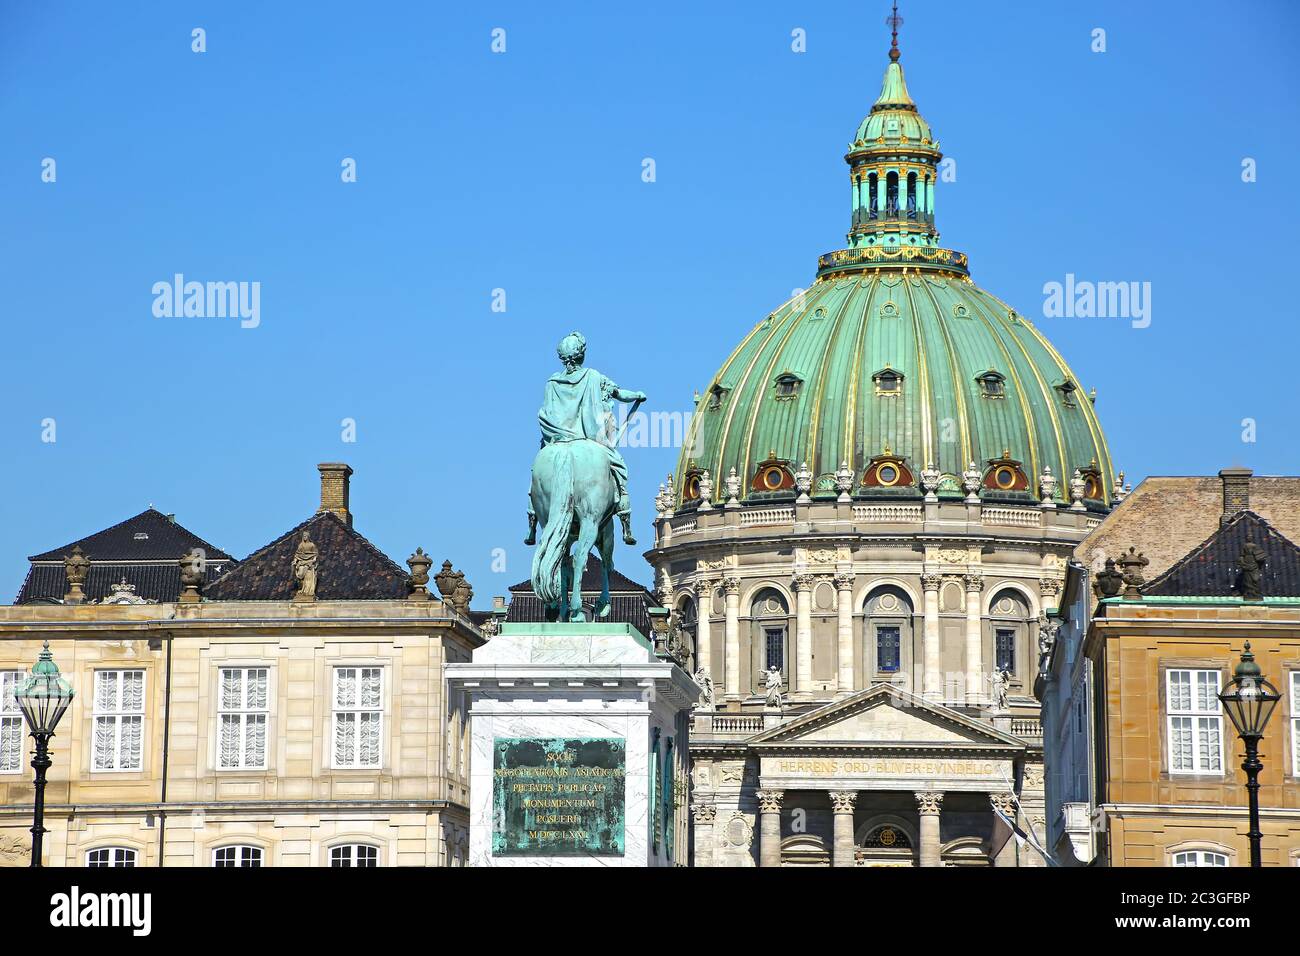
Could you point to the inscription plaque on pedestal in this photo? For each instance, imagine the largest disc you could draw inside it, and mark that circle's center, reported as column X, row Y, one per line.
column 558, row 796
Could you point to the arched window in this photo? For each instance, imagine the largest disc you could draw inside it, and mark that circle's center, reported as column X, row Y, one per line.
column 911, row 195
column 770, row 634
column 354, row 854
column 891, row 195
column 237, row 856
column 1200, row 858
column 110, row 856
column 888, row 622
column 1009, row 621
column 872, row 206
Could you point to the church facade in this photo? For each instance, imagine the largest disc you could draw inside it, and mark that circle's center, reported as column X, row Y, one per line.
column 873, row 511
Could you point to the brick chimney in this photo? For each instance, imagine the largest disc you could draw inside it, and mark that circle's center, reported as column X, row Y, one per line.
column 334, row 477
column 1236, row 491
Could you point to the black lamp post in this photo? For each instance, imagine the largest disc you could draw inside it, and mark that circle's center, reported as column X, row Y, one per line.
column 43, row 698
column 1249, row 700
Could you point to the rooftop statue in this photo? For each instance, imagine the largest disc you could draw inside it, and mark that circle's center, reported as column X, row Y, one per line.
column 579, row 482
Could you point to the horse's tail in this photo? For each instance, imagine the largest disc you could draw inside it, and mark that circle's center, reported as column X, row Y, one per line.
column 548, row 559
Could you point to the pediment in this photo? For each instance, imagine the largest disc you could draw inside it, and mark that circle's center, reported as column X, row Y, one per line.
column 883, row 714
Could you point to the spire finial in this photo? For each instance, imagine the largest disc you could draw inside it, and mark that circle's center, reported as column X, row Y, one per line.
column 894, row 21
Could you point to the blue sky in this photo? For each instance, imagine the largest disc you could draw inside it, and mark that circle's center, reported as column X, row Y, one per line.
column 522, row 171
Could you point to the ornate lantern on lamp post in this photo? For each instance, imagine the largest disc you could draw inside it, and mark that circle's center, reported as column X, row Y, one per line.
column 43, row 698
column 1249, row 700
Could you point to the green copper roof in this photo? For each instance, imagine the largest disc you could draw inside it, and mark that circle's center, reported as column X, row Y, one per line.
column 803, row 385
column 940, row 332
column 894, row 117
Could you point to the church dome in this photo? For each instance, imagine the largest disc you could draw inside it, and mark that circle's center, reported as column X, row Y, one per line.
column 894, row 365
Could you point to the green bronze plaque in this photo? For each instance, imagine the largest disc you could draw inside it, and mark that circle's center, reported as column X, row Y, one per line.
column 558, row 796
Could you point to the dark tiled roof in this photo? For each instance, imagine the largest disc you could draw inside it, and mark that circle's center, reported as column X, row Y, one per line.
column 143, row 550
column 1210, row 569
column 149, row 536
column 629, row 602
column 349, row 567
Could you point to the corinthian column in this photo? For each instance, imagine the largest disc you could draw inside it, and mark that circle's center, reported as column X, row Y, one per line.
column 803, row 656
column 974, row 639
column 705, row 814
column 769, row 827
column 732, row 637
column 703, row 637
column 931, row 677
column 844, row 651
column 930, row 804
column 842, row 803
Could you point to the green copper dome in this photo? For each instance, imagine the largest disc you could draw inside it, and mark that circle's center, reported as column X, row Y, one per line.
column 894, row 359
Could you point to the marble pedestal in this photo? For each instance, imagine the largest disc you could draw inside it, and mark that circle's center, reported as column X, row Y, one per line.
column 556, row 694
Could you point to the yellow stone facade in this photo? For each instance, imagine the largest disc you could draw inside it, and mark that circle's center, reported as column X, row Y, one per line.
column 1150, row 812
column 179, row 807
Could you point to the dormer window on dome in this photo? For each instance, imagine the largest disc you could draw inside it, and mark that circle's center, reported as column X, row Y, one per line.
column 773, row 474
column 888, row 382
column 788, row 385
column 717, row 395
column 1067, row 390
column 992, row 384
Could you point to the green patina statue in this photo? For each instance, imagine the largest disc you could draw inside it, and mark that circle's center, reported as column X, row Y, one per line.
column 579, row 482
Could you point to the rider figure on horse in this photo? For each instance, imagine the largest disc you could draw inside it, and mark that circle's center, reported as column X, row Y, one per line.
column 577, row 406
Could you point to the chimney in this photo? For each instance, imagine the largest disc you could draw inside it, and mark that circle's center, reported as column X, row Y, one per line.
column 334, row 477
column 1236, row 492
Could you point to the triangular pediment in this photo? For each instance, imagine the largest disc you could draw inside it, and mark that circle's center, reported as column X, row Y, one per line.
column 883, row 714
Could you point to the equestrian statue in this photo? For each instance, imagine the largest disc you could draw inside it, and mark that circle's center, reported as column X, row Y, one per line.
column 579, row 482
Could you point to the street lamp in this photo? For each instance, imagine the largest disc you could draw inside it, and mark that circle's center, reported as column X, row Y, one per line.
column 1249, row 700
column 43, row 698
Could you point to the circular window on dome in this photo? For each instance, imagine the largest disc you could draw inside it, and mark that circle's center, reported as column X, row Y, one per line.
column 961, row 312
column 887, row 474
column 773, row 478
column 889, row 311
column 692, row 489
column 1005, row 477
column 1092, row 488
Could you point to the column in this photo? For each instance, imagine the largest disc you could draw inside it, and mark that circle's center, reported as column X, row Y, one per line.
column 929, row 195
column 929, row 803
column 703, row 634
column 882, row 181
column 974, row 640
column 842, row 803
column 931, row 678
column 705, row 814
column 857, row 199
column 731, row 634
column 769, row 827
column 844, row 651
column 1006, row 855
column 803, row 656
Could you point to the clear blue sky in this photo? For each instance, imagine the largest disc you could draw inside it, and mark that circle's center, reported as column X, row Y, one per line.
column 522, row 171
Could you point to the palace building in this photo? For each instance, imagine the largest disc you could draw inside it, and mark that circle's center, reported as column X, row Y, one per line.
column 882, row 486
column 289, row 711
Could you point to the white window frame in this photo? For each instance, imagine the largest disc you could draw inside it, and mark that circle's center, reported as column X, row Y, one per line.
column 245, row 715
column 356, row 711
column 350, row 849
column 129, row 857
column 118, row 716
column 11, row 715
column 1195, row 718
column 1199, row 858
column 240, row 849
column 1294, row 678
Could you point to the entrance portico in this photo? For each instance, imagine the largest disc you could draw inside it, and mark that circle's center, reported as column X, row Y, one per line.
column 880, row 778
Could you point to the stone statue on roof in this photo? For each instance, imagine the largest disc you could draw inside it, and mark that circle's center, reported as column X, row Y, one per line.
column 1251, row 565
column 305, row 559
